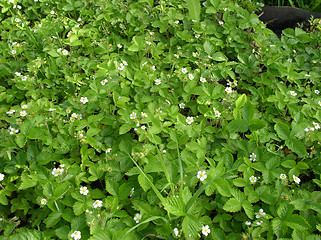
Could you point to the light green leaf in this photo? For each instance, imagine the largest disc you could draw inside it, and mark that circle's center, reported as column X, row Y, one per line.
column 248, row 208
column 219, row 57
column 21, row 140
column 240, row 101
column 191, row 225
column 232, row 205
column 222, row 186
column 28, row 183
column 125, row 128
column 175, row 206
column 143, row 182
column 194, row 8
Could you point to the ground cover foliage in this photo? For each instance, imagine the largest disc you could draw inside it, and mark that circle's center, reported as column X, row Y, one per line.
column 157, row 120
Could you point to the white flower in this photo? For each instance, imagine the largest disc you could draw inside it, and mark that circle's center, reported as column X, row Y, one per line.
column 153, row 68
column 283, row 176
column 228, row 90
column 181, row 105
column 79, row 117
column 131, row 192
column 144, row 114
column 289, row 60
column 176, row 55
column 64, row 52
column 248, row 223
column 158, row 81
column 23, row 113
column 184, row 70
column 148, row 43
column 261, row 213
column 1, row 176
column 52, row 109
column 293, row 93
column 76, row 235
column 190, row 76
column 125, row 63
column 137, row 217
column 17, row 20
column 203, row 80
column 121, row 67
column 119, row 46
column 84, row 191
column 309, row 129
column 108, row 150
column 74, row 115
column 206, row 230
column 316, row 91
column 55, row 172
column 59, row 50
column 176, row 232
column 253, row 179
column 83, row 100
column 168, row 102
column 296, row 179
column 24, row 106
column 79, row 20
column 17, row 74
column 201, row 175
column 132, row 115
column 11, row 111
column 221, row 22
column 319, row 103
column 52, row 12
column 225, row 9
column 316, row 125
column 103, row 82
column 24, row 78
column 253, row 157
column 13, row 51
column 217, row 113
column 259, row 223
column 194, row 54
column 98, row 204
column 197, row 35
column 43, row 201
column 176, row 22
column 189, row 120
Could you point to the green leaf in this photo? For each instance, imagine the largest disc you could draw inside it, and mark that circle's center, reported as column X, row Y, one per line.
column 240, row 101
column 45, row 157
column 232, row 205
column 63, row 232
column 53, row 219
column 79, row 208
column 62, row 189
column 257, row 124
column 21, row 140
column 289, row 164
column 282, row 130
column 175, row 206
column 3, row 198
column 248, row 208
column 219, row 57
column 277, row 225
column 295, row 221
column 191, row 226
column 194, row 8
column 222, row 186
column 112, row 187
column 143, row 182
column 238, row 125
column 296, row 146
column 125, row 128
column 248, row 112
column 104, row 234
column 36, row 133
column 28, row 183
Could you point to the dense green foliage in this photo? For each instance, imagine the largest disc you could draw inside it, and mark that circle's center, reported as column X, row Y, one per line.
column 312, row 5
column 157, row 120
